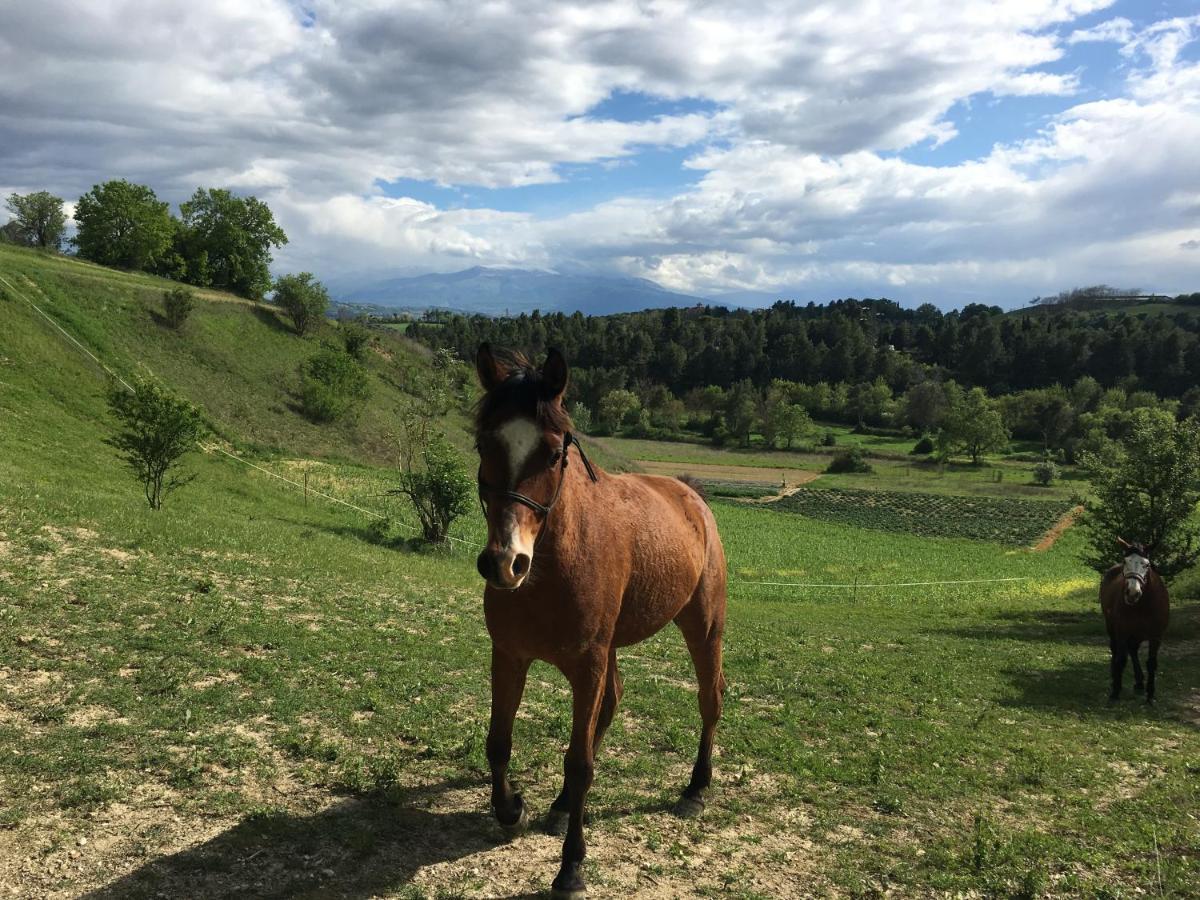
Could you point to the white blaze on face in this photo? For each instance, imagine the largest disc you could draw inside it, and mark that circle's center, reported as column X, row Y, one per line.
column 520, row 438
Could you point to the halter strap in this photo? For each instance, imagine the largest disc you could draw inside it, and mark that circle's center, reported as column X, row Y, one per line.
column 542, row 509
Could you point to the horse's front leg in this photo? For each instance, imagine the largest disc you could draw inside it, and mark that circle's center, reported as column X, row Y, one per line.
column 587, row 693
column 508, row 684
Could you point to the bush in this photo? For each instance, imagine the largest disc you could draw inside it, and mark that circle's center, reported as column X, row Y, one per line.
column 355, row 338
column 433, row 477
column 581, row 416
column 1045, row 472
column 178, row 304
column 156, row 429
column 849, row 461
column 829, row 439
column 923, row 447
column 332, row 385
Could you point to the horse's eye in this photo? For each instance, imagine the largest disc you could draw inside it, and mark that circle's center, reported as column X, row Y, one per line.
column 555, row 457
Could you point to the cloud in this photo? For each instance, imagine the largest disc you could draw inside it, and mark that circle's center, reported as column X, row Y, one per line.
column 800, row 150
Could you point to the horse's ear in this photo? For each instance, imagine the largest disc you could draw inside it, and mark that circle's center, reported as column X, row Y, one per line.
column 491, row 373
column 1125, row 545
column 554, row 375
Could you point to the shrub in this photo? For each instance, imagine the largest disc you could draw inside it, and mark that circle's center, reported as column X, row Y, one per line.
column 355, row 338
column 178, row 304
column 433, row 477
column 155, row 430
column 829, row 439
column 1045, row 472
column 852, row 461
column 581, row 416
column 923, row 447
column 332, row 385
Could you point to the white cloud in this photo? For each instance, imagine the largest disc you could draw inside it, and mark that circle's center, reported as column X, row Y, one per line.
column 799, row 184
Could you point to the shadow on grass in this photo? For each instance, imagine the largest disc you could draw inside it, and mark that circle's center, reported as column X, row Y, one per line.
column 1080, row 687
column 270, row 318
column 362, row 847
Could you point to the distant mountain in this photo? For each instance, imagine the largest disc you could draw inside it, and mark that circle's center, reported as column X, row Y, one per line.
column 496, row 291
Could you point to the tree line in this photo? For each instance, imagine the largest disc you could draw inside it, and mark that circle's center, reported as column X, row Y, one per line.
column 218, row 240
column 1056, row 376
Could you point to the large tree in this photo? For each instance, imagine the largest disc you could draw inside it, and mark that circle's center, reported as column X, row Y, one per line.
column 123, row 224
column 1146, row 490
column 974, row 426
column 229, row 239
column 39, row 219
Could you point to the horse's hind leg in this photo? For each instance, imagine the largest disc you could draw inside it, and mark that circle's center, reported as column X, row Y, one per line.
column 614, row 687
column 1151, row 668
column 508, row 684
column 1139, row 681
column 703, row 624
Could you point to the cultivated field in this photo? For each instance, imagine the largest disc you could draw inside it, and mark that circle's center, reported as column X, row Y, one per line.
column 244, row 695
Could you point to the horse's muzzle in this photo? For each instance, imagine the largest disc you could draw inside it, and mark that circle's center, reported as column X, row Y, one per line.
column 504, row 570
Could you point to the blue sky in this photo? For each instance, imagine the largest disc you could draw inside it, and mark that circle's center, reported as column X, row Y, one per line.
column 937, row 151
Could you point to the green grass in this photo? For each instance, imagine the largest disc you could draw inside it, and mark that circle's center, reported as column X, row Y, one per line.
column 1001, row 477
column 244, row 695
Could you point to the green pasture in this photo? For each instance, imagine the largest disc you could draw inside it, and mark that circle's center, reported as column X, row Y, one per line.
column 999, row 477
column 245, row 694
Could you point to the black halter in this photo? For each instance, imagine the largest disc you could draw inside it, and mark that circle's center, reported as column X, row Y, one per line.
column 542, row 509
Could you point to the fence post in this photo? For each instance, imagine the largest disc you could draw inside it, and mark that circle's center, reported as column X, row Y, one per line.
column 306, row 485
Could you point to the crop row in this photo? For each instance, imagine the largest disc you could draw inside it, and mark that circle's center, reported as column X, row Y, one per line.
column 1008, row 521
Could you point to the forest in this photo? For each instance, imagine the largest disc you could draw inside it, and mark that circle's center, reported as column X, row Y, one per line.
column 1052, row 372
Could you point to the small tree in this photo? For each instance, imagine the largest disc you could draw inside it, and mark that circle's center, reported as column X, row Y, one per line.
column 1045, row 472
column 177, row 305
column 356, row 338
column 1147, row 492
column 156, row 429
column 303, row 298
column 615, row 407
column 39, row 219
column 332, row 385
column 433, row 476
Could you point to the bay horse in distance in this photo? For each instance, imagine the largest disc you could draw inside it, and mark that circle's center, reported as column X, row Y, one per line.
column 1136, row 608
column 579, row 562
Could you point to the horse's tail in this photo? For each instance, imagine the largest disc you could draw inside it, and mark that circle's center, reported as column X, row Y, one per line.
column 695, row 484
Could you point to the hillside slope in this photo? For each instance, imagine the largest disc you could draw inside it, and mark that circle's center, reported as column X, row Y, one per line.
column 237, row 360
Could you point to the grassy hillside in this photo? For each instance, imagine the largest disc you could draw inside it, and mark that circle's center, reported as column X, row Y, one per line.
column 243, row 695
column 237, row 360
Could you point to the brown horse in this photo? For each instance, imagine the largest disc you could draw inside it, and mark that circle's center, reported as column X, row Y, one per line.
column 1136, row 607
column 578, row 563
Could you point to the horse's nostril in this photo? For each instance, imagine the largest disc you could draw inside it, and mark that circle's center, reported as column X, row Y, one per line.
column 484, row 564
column 520, row 565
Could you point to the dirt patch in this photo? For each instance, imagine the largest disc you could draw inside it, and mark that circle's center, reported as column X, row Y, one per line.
column 713, row 472
column 1056, row 531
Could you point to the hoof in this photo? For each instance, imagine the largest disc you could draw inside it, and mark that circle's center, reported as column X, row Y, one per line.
column 520, row 826
column 1150, row 701
column 568, row 885
column 1138, row 688
column 1113, row 698
column 689, row 807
